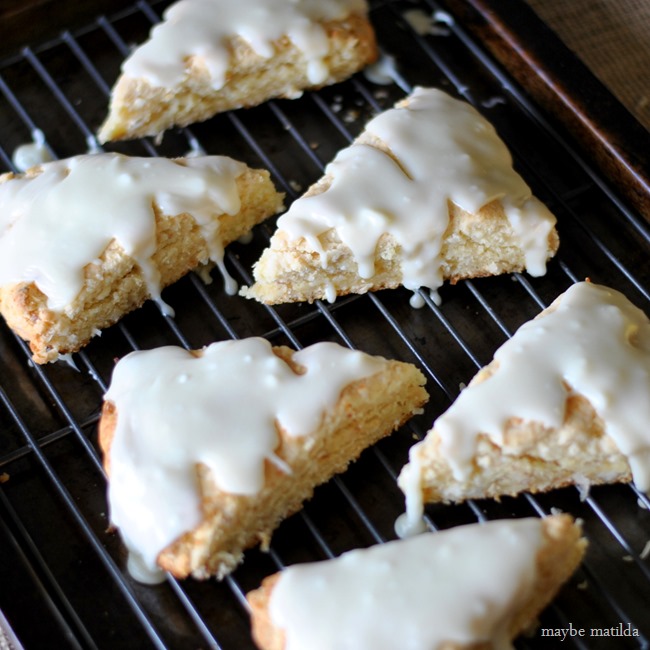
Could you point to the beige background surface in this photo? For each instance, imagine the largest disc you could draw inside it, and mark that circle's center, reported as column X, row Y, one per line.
column 612, row 37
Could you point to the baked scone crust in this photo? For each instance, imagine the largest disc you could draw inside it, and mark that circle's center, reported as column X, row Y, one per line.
column 367, row 410
column 139, row 109
column 533, row 457
column 561, row 552
column 115, row 286
column 474, row 245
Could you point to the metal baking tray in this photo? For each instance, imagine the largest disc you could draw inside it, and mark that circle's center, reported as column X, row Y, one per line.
column 63, row 582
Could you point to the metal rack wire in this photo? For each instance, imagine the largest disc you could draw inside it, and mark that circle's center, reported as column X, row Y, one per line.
column 62, row 572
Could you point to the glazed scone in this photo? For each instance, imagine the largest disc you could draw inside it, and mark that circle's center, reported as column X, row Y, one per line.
column 209, row 56
column 207, row 452
column 85, row 240
column 427, row 193
column 565, row 401
column 472, row 587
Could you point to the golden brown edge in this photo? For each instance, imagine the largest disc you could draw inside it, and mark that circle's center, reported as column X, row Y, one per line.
column 352, row 46
column 388, row 274
column 115, row 286
column 356, row 422
column 562, row 551
column 581, row 425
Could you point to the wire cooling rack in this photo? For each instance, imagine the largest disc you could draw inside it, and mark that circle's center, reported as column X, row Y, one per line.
column 63, row 582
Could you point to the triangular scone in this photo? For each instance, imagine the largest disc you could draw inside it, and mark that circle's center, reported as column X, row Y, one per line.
column 208, row 451
column 209, row 56
column 565, row 401
column 85, row 240
column 427, row 193
column 470, row 587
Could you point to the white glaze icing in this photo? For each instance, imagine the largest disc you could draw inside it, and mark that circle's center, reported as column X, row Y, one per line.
column 246, row 239
column 32, row 153
column 383, row 72
column 416, row 301
column 142, row 572
column 52, row 225
column 176, row 410
column 446, row 151
column 460, row 585
column 422, row 23
column 203, row 28
column 597, row 342
column 404, row 527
